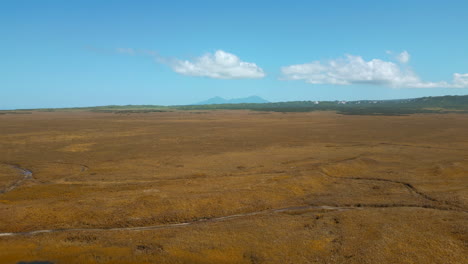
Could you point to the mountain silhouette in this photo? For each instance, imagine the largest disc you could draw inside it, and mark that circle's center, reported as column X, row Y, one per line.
column 220, row 100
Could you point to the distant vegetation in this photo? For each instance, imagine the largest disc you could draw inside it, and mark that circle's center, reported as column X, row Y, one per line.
column 130, row 111
column 116, row 109
column 440, row 104
column 15, row 112
column 437, row 104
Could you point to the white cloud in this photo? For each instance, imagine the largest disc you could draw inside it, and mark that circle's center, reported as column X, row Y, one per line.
column 220, row 65
column 355, row 70
column 403, row 57
column 460, row 80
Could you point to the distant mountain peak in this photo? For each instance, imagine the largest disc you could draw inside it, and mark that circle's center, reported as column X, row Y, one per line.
column 219, row 100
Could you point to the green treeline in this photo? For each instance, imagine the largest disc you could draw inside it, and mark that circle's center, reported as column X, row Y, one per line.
column 436, row 104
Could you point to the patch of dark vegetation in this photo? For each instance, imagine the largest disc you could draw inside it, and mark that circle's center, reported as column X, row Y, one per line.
column 253, row 258
column 149, row 249
column 81, row 238
column 382, row 111
column 400, row 107
column 35, row 262
column 397, row 205
column 109, row 109
column 15, row 112
column 425, row 105
column 123, row 112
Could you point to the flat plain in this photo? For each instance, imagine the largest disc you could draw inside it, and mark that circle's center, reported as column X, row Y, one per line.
column 233, row 187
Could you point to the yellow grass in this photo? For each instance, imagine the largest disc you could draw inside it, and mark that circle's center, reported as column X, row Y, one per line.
column 401, row 183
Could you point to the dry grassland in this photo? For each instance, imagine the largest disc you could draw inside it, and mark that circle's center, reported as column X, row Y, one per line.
column 300, row 187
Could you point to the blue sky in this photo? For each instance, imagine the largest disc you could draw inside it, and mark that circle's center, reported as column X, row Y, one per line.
column 85, row 53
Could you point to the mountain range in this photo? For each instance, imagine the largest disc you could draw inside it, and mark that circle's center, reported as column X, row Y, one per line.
column 220, row 100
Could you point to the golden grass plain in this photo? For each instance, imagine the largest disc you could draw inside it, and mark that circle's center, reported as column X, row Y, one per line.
column 354, row 189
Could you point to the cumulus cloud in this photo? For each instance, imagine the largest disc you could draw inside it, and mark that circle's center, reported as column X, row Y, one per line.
column 460, row 80
column 403, row 57
column 220, row 65
column 355, row 70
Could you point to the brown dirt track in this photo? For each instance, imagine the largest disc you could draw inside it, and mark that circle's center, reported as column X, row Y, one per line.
column 351, row 189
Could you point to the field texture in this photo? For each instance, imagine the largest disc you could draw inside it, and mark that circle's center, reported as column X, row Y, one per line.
column 233, row 187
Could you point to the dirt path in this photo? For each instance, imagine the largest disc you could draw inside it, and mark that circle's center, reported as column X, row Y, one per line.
column 407, row 185
column 442, row 204
column 435, row 205
column 203, row 220
column 27, row 174
column 223, row 218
